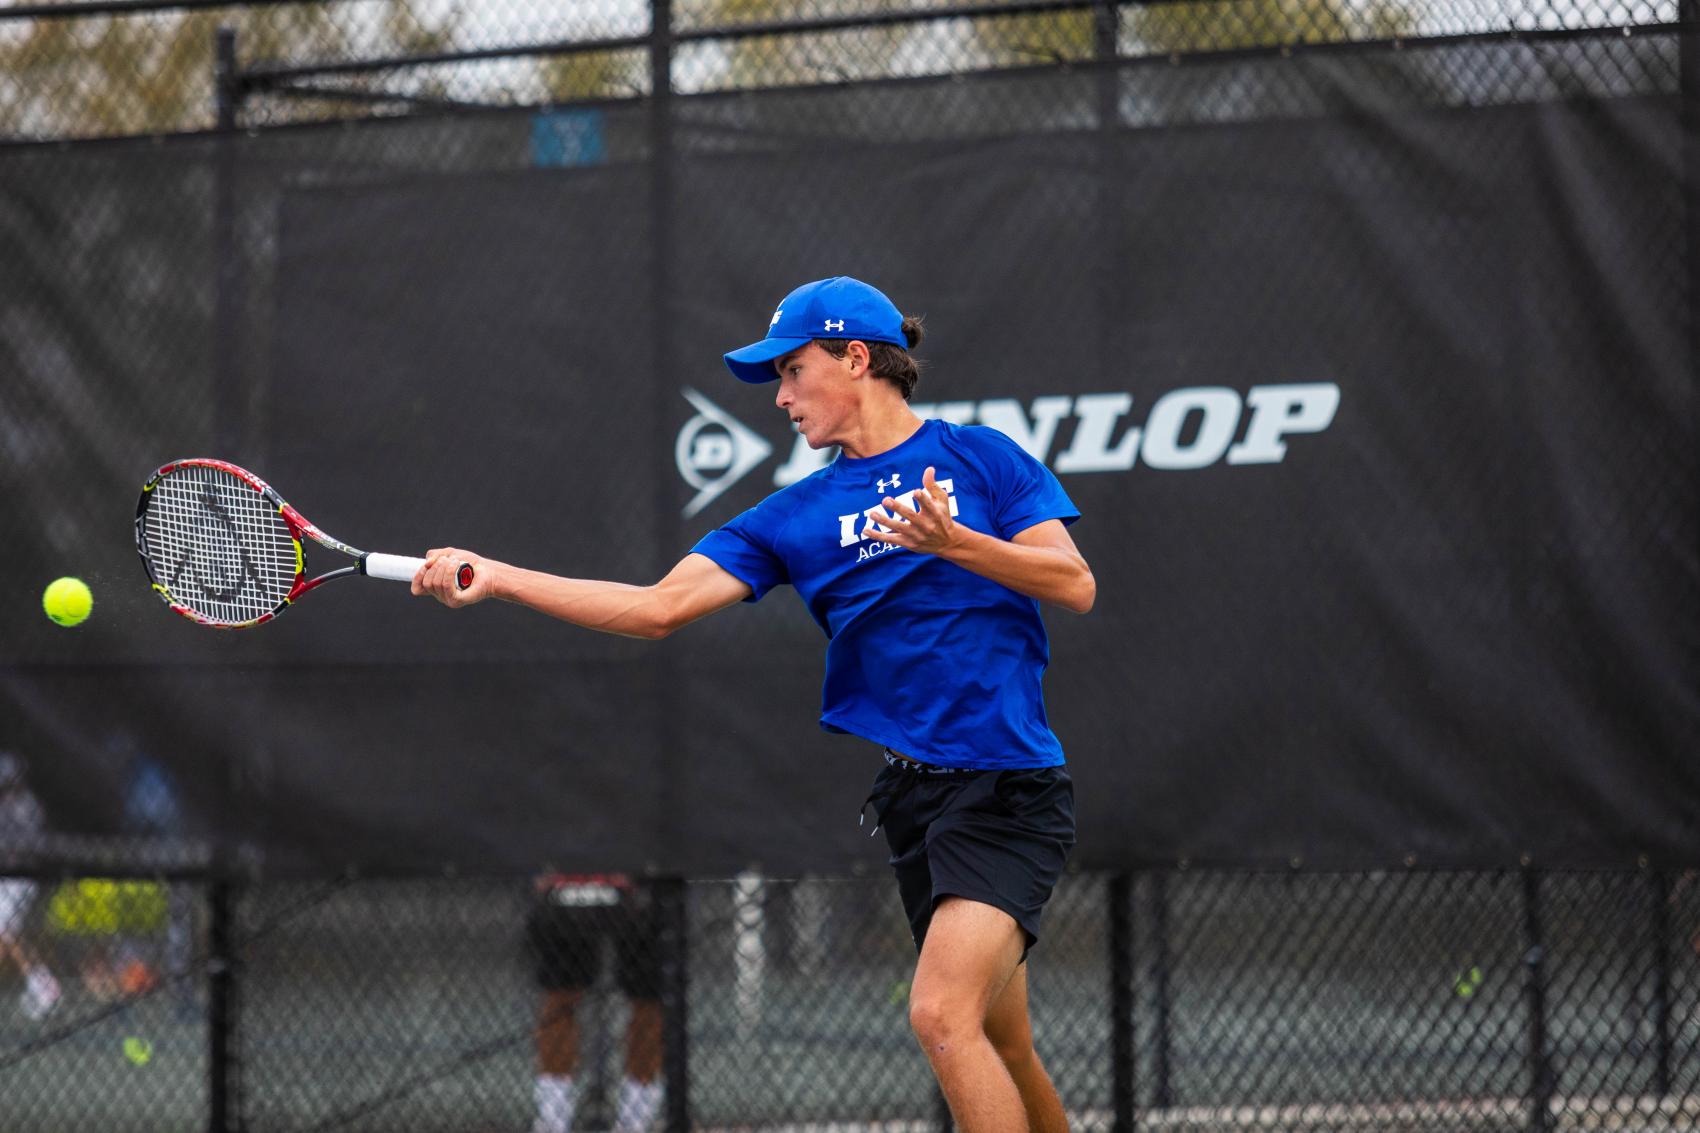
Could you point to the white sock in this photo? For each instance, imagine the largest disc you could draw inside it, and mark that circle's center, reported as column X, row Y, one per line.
column 639, row 1102
column 554, row 1093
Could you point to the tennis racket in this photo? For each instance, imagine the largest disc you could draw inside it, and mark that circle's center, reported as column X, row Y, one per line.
column 223, row 549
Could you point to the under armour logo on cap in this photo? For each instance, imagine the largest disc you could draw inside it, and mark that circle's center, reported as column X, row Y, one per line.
column 835, row 324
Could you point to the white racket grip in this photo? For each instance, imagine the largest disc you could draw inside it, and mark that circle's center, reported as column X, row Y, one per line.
column 401, row 568
column 395, row 568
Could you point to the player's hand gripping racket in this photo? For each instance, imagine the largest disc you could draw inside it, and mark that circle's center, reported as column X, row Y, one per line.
column 223, row 548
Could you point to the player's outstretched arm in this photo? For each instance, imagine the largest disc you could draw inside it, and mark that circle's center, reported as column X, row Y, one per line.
column 695, row 588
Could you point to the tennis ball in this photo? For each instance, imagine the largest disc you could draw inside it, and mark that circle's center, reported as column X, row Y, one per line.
column 138, row 1050
column 68, row 601
column 1469, row 982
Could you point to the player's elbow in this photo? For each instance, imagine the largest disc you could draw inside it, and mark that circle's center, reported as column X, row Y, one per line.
column 655, row 626
column 1083, row 593
column 661, row 618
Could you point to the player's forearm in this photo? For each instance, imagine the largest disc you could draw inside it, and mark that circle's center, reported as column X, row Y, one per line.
column 609, row 607
column 1047, row 573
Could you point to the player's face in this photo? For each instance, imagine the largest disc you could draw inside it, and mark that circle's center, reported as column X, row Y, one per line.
column 816, row 393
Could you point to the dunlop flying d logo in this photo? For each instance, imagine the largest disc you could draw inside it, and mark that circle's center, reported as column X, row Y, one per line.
column 714, row 451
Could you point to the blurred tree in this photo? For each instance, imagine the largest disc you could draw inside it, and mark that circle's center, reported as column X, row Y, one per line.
column 153, row 71
column 784, row 60
column 600, row 74
column 1223, row 25
column 1191, row 26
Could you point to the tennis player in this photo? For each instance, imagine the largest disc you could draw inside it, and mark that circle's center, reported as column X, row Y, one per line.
column 923, row 551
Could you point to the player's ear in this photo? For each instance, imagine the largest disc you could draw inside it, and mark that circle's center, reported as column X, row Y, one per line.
column 856, row 353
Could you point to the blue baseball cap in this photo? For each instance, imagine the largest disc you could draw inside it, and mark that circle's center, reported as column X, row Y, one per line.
column 839, row 307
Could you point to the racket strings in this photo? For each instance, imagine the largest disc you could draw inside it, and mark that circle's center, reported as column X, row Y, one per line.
column 219, row 546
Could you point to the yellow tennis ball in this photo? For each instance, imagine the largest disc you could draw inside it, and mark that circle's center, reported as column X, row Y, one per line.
column 68, row 601
column 138, row 1050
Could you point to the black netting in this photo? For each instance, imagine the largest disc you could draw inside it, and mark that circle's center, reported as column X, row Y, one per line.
column 1362, row 334
column 1400, row 1001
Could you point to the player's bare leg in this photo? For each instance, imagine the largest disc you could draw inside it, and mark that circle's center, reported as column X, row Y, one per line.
column 643, row 1040
column 970, row 954
column 557, row 1059
column 1011, row 1032
column 557, row 1031
column 640, row 1093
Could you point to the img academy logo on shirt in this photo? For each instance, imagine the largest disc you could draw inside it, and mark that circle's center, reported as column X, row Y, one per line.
column 1186, row 429
column 851, row 527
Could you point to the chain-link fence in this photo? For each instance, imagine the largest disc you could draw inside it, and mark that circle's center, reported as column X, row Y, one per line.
column 1162, row 1000
column 1491, row 214
column 93, row 69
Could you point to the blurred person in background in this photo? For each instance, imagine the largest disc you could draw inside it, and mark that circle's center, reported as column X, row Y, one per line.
column 152, row 810
column 572, row 920
column 22, row 822
column 132, row 927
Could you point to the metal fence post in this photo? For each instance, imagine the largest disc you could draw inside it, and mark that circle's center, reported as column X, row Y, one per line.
column 1534, row 962
column 223, row 1099
column 227, row 307
column 1688, row 119
column 1163, row 1092
column 1660, row 886
column 675, row 989
column 1119, row 895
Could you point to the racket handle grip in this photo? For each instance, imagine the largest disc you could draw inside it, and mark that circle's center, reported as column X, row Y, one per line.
column 401, row 568
column 393, row 568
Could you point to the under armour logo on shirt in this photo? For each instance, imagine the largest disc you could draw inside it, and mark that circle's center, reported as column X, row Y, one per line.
column 835, row 324
column 896, row 482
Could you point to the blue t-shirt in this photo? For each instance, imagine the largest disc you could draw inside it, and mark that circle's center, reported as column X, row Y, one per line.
column 925, row 657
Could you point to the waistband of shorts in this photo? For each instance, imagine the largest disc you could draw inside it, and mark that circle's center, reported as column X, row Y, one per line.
column 916, row 767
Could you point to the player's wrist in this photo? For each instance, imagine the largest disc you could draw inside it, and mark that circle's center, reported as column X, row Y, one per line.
column 501, row 581
column 961, row 543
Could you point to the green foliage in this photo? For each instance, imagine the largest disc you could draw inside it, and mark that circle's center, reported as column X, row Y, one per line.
column 1046, row 37
column 601, row 74
column 783, row 60
column 1191, row 26
column 153, row 72
column 1223, row 25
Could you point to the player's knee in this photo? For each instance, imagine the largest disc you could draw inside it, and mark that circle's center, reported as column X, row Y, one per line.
column 938, row 1024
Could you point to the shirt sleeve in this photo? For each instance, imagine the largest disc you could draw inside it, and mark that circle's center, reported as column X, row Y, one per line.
column 744, row 548
column 1022, row 490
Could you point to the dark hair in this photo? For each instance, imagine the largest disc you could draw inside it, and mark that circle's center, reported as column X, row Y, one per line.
column 887, row 359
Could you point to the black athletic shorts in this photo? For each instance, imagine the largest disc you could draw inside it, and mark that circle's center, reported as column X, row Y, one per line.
column 571, row 926
column 997, row 837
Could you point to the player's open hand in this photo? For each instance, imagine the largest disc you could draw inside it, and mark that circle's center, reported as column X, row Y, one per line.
column 439, row 577
column 927, row 527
